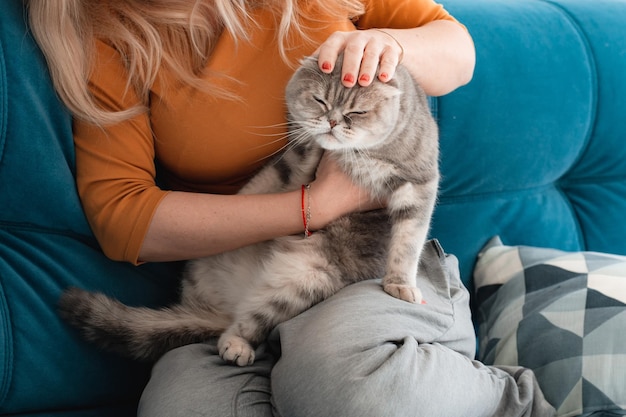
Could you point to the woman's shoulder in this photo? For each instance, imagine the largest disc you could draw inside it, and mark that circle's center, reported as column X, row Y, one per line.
column 401, row 14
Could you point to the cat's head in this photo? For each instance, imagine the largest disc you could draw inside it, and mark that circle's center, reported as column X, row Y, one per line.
column 337, row 117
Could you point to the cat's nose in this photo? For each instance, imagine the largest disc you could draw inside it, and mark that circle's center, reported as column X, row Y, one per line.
column 332, row 123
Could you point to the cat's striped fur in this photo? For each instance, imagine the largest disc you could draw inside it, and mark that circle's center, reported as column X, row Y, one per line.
column 385, row 138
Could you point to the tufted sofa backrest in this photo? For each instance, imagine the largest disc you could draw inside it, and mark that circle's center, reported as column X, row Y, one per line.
column 46, row 245
column 534, row 148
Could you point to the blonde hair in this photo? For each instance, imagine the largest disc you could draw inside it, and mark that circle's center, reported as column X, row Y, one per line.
column 178, row 35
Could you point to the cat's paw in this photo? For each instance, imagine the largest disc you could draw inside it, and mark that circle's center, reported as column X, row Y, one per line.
column 235, row 349
column 404, row 292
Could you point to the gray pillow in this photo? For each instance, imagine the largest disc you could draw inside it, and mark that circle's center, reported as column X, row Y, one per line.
column 562, row 314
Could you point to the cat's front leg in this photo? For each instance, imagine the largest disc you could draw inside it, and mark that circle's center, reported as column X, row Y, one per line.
column 235, row 349
column 410, row 208
column 294, row 278
column 399, row 280
column 296, row 166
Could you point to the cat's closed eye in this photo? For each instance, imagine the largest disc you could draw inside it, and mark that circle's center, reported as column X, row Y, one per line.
column 321, row 101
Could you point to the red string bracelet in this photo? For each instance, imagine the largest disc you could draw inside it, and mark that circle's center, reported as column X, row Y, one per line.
column 306, row 209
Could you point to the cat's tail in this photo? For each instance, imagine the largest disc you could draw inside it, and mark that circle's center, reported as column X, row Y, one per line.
column 138, row 332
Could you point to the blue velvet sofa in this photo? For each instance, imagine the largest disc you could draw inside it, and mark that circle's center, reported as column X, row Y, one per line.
column 532, row 150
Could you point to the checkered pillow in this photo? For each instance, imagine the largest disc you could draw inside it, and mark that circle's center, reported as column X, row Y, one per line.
column 562, row 314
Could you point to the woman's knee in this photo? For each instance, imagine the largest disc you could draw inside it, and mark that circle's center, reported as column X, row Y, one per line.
column 193, row 380
column 165, row 393
column 396, row 378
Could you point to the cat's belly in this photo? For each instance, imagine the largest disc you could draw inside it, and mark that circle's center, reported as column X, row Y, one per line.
column 223, row 280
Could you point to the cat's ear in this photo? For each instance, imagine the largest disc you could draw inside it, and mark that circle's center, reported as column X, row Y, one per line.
column 394, row 82
column 393, row 88
column 308, row 61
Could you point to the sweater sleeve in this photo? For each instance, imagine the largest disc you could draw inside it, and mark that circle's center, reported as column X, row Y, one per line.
column 401, row 13
column 115, row 165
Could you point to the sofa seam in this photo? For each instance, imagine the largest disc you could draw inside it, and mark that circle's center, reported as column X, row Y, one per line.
column 593, row 67
column 560, row 183
column 453, row 199
column 582, row 238
column 7, row 346
column 4, row 103
column 33, row 228
column 567, row 182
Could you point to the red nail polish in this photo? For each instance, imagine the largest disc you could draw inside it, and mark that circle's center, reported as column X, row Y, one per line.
column 383, row 76
column 349, row 78
column 365, row 78
column 326, row 66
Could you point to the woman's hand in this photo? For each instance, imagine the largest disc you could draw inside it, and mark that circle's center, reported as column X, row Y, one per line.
column 440, row 55
column 333, row 194
column 367, row 54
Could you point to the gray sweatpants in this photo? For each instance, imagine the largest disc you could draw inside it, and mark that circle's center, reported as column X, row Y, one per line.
column 360, row 353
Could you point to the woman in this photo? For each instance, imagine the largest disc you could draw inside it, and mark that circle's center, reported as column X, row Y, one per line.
column 176, row 104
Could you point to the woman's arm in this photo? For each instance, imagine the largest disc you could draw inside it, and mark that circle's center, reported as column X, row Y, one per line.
column 192, row 225
column 439, row 54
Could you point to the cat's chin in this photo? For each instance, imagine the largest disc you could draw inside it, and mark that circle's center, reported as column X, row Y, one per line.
column 329, row 142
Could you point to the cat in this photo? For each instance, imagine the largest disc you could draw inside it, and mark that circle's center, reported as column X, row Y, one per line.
column 386, row 139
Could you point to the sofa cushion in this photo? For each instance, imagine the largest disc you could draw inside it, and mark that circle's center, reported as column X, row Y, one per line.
column 562, row 314
column 46, row 245
column 533, row 148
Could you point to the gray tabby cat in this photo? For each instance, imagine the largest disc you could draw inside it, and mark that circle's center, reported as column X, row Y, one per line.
column 385, row 138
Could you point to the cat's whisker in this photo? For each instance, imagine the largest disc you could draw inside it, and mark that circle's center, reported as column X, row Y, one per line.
column 295, row 137
column 291, row 143
column 299, row 136
column 266, row 144
column 361, row 161
column 272, row 126
column 354, row 158
column 269, row 135
column 366, row 158
column 280, row 135
column 290, row 140
column 270, row 156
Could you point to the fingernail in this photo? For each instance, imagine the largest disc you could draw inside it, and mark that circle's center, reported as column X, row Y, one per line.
column 349, row 78
column 326, row 66
column 365, row 78
column 383, row 76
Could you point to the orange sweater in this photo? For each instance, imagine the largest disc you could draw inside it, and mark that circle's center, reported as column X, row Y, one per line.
column 193, row 141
